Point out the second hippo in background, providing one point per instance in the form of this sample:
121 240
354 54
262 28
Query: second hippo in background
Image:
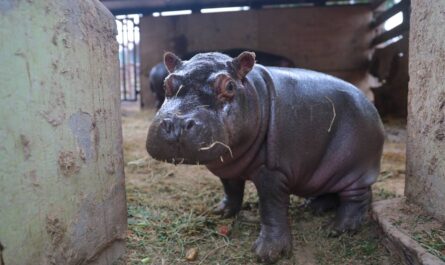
159 72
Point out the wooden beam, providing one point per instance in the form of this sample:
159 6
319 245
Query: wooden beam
320 2
121 7
402 6
407 12
387 35
376 3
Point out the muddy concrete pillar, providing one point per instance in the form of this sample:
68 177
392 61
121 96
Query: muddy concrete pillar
425 182
62 195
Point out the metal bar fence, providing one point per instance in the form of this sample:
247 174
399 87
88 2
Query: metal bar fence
129 59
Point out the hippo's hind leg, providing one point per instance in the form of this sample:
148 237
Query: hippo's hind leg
352 211
323 203
275 236
231 204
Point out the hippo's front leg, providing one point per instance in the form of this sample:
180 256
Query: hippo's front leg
231 204
275 237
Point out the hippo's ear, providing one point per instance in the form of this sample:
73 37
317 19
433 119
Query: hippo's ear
243 63
171 61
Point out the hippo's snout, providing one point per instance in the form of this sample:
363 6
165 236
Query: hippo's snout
173 129
184 138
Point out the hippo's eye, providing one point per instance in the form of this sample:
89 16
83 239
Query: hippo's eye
230 88
225 87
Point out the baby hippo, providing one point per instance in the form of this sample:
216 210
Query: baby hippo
290 131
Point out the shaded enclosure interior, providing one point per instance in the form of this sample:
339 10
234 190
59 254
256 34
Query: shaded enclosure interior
63 196
307 36
329 39
359 41
350 42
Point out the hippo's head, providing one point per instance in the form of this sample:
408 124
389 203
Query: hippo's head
206 111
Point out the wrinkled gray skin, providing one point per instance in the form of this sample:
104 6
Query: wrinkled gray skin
159 72
290 131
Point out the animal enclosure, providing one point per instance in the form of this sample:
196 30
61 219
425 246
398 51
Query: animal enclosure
385 55
78 187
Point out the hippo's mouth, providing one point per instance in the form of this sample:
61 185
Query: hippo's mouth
214 146
207 153
185 161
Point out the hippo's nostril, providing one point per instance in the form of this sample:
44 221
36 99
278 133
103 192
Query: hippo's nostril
189 124
167 125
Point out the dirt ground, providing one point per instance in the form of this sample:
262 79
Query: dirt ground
419 231
169 211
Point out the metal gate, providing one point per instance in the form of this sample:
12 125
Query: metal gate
129 60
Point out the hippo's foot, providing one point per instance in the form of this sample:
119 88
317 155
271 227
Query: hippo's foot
323 203
231 204
228 208
271 245
275 237
351 214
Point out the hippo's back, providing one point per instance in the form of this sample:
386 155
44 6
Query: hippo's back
317 122
315 93
311 86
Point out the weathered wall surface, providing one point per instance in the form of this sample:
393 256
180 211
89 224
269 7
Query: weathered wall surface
329 39
425 182
62 194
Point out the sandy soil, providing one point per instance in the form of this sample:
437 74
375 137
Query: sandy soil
169 211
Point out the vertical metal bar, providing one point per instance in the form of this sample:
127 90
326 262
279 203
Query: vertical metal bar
131 88
138 64
135 61
121 60
129 60
124 57
138 55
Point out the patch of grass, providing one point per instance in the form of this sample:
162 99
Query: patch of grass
162 230
383 194
361 248
433 241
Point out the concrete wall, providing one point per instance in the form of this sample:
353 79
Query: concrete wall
425 180
329 39
62 194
